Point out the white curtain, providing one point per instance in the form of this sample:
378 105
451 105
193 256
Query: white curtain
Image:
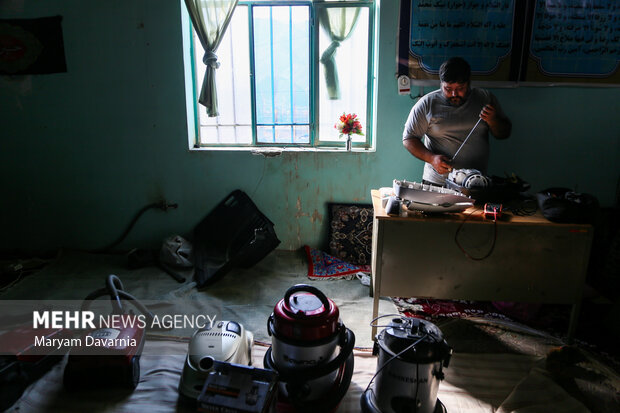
210 19
339 24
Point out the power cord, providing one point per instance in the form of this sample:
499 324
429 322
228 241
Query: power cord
163 205
262 175
13 272
523 207
409 347
395 356
458 244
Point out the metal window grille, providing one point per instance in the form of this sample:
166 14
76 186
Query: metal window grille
269 82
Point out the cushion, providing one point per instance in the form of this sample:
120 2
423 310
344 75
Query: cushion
350 232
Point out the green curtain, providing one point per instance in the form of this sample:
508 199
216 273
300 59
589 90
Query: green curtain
339 24
210 19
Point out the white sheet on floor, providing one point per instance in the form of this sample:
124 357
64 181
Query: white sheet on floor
475 383
247 296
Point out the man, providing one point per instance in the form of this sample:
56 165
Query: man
441 120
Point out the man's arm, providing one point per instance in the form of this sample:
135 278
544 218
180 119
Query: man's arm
415 128
415 147
499 125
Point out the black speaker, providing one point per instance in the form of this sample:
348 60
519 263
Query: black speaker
234 234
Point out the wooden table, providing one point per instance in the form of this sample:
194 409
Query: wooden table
426 255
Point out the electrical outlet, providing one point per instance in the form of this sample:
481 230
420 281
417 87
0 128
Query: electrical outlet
404 85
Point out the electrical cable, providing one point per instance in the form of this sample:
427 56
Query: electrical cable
407 326
20 275
22 269
396 355
262 175
163 205
458 244
523 207
420 94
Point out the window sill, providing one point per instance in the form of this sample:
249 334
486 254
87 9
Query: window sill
270 151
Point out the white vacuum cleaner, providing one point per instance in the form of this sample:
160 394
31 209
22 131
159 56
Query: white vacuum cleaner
226 341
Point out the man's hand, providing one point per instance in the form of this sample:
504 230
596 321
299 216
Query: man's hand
441 163
488 114
500 127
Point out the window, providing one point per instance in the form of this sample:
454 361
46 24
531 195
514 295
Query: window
288 70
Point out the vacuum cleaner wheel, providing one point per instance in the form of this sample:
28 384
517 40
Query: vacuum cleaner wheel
132 375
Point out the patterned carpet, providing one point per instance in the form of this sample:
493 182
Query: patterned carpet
588 368
545 325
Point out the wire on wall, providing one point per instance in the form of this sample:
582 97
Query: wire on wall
262 175
420 93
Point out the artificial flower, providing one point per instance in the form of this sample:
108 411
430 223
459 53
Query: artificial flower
348 124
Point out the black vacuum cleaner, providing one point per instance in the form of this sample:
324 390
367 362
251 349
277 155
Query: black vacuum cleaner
412 354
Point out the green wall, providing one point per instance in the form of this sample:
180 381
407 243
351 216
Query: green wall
81 152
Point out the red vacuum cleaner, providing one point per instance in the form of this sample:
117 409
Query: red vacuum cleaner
109 356
311 350
22 363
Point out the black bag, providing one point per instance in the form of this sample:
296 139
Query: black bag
565 206
234 234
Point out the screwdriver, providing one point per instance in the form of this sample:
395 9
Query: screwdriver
470 132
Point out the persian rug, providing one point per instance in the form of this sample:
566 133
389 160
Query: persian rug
350 232
551 318
322 266
434 310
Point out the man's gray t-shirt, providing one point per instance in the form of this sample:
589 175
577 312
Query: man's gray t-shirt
443 127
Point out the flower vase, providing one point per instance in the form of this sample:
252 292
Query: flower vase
348 143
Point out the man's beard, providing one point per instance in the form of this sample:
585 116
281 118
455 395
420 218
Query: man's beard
456 100
459 100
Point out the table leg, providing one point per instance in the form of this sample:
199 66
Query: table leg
375 314
574 319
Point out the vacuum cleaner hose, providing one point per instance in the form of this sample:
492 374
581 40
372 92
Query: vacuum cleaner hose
114 289
320 370
295 380
113 285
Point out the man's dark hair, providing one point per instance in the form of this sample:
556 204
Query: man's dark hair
455 70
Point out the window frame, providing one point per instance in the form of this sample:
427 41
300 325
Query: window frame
314 144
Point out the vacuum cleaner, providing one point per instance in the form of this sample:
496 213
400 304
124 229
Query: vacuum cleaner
311 350
470 182
110 356
227 341
22 363
412 354
415 196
